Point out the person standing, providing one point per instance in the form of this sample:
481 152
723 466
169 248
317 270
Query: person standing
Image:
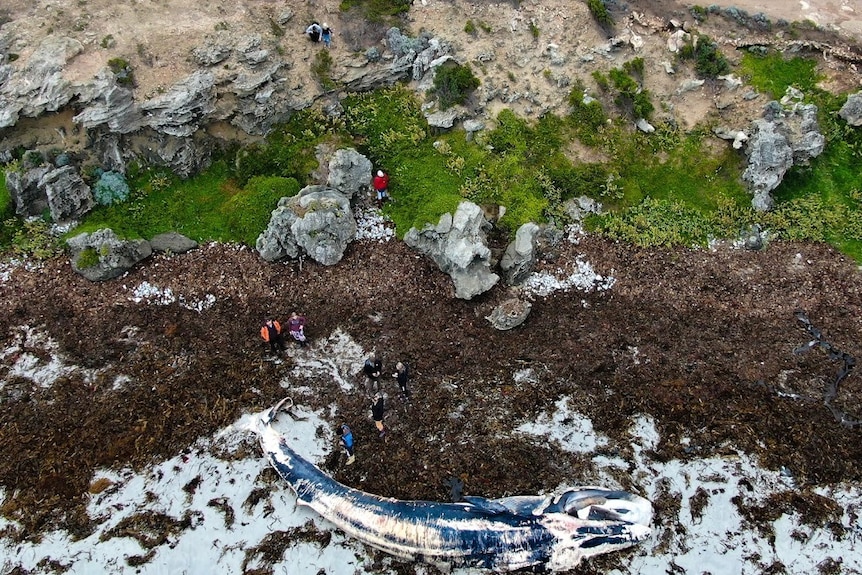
296 328
347 443
372 369
326 34
271 334
401 375
378 408
381 186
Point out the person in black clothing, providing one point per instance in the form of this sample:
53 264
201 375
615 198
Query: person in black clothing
378 408
372 369
401 376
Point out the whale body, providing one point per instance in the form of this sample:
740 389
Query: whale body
553 533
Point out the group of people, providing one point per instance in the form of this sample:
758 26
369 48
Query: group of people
373 369
271 332
319 33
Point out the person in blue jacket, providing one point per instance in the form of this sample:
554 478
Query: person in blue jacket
347 443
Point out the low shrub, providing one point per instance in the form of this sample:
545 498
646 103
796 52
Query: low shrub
453 84
110 188
709 61
122 71
600 13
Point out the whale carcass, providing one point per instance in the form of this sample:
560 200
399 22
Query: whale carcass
547 532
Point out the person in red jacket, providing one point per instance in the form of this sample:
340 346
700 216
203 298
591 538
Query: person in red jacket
271 334
381 186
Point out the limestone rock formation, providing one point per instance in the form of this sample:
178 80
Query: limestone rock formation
509 314
349 171
317 221
457 244
69 197
61 191
851 111
101 255
520 257
28 197
39 87
172 242
787 134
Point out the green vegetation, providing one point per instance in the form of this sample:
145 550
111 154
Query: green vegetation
709 62
670 187
31 238
209 206
600 13
88 258
534 30
453 84
377 10
631 98
772 73
322 69
470 28
122 71
699 13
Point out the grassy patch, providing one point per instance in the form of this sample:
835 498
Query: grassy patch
210 206
377 10
5 198
772 73
289 149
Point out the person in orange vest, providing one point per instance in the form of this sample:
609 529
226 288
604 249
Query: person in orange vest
271 334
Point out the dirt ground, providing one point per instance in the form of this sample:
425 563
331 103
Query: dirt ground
702 341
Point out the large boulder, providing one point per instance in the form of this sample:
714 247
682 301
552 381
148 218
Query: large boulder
457 244
69 197
318 221
28 197
851 111
509 314
788 134
349 171
520 257
101 255
173 243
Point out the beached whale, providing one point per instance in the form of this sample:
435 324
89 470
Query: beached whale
547 532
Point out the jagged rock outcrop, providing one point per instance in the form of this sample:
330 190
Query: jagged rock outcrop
787 134
172 242
520 257
509 314
61 191
851 111
181 110
411 58
28 197
101 255
39 86
69 197
349 171
317 221
457 244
